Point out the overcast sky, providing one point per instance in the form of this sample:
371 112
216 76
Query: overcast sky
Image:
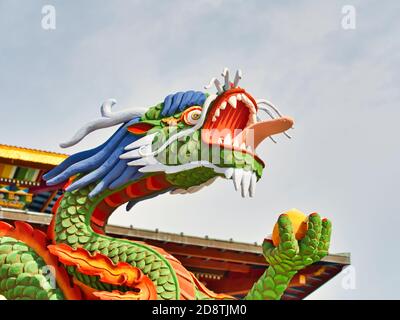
341 87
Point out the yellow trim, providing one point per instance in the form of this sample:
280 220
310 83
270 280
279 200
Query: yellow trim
31 155
8 171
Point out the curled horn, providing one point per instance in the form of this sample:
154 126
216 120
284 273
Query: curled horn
109 119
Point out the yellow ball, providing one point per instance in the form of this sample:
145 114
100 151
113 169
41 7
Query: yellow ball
299 224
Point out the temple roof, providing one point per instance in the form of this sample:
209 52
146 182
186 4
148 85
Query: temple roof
21 155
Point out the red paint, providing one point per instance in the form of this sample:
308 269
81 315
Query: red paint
138 189
140 128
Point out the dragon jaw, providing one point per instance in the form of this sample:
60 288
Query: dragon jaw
226 122
232 123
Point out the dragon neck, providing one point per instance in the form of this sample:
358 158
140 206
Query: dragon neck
107 202
79 221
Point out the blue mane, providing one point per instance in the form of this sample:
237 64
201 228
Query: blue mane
101 164
181 100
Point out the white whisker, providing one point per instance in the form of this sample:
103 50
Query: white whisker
273 107
287 135
266 111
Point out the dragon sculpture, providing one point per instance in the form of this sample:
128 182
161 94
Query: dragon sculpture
179 146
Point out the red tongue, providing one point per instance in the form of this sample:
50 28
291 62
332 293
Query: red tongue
256 133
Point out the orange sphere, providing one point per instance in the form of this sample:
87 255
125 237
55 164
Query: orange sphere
299 224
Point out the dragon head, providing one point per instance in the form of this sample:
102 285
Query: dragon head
193 137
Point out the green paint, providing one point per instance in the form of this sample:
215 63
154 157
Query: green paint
21 269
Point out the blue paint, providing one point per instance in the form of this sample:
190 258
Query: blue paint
102 163
167 105
182 100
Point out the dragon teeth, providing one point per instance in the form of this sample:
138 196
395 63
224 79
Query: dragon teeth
243 180
223 105
237 178
249 104
252 189
229 173
245 183
232 101
228 139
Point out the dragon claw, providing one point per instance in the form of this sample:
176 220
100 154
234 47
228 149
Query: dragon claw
299 253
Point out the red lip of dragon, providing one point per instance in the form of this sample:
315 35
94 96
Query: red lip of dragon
180 145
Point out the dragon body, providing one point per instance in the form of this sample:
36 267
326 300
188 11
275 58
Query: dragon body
179 146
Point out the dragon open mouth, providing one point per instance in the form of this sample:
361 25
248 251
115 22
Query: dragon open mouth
233 124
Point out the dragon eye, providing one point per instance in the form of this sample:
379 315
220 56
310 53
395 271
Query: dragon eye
192 115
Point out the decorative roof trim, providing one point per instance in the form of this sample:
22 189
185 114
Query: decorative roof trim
21 154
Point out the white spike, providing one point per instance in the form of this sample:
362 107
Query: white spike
131 154
232 101
214 118
141 142
217 112
136 153
139 162
238 76
237 178
245 184
217 84
228 139
225 74
229 173
253 183
239 97
223 105
249 104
